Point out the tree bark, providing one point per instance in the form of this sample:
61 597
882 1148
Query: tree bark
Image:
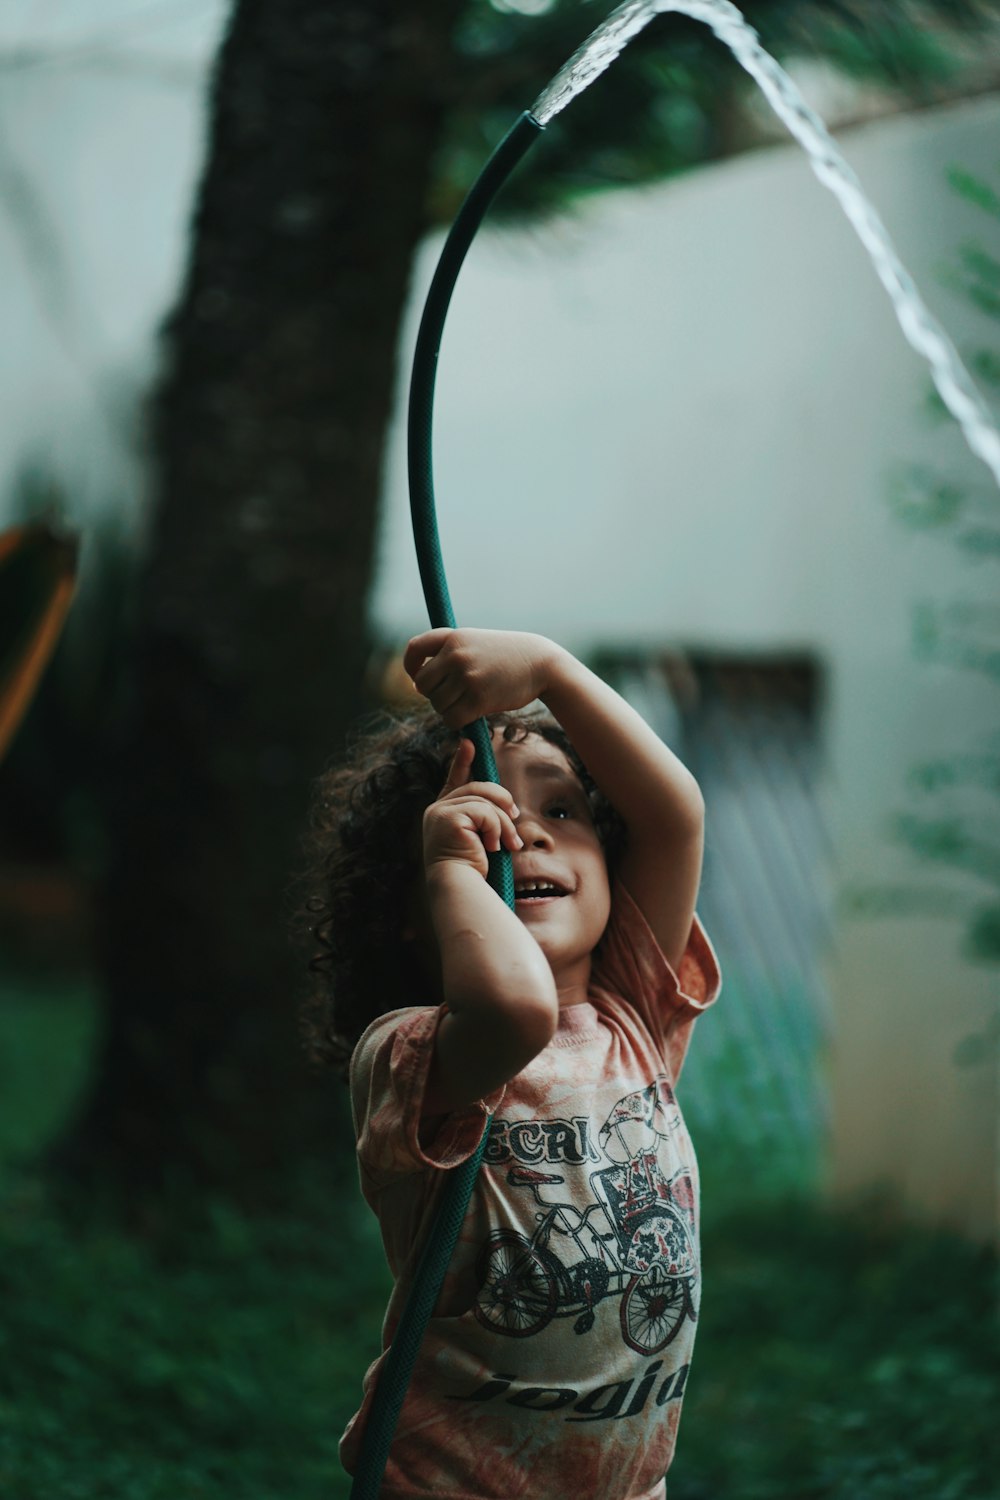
251 638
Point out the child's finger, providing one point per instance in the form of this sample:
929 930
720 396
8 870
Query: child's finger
458 710
449 694
511 838
488 791
489 830
460 768
445 700
498 832
422 646
431 680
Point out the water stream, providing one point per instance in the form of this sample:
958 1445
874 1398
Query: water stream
921 329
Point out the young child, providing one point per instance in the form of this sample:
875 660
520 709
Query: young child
555 1363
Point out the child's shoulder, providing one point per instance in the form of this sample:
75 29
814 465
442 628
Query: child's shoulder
389 1073
393 1054
403 1024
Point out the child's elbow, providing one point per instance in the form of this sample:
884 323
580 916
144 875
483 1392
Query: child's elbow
528 1016
535 1023
694 803
517 1043
517 1006
683 812
481 1049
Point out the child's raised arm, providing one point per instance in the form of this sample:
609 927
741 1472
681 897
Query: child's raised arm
501 996
467 673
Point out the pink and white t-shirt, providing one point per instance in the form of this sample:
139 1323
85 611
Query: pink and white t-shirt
555 1363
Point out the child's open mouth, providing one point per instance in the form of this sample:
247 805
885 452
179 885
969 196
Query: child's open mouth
535 892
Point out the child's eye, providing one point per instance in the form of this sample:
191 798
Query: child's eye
560 810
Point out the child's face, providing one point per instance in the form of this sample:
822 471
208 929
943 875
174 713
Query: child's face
561 881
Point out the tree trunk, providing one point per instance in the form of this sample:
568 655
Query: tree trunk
251 639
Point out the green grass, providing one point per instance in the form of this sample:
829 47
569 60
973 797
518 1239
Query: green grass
47 1036
228 1372
838 1358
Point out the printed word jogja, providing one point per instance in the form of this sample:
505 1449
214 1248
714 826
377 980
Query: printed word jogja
600 1405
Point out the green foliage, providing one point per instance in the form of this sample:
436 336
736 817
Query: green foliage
838 1356
982 936
949 841
985 364
228 1371
215 1364
674 97
958 633
923 500
976 276
957 771
834 1360
884 48
652 114
947 633
975 190
47 1037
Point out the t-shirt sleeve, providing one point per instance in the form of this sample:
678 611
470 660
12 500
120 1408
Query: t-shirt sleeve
631 965
388 1079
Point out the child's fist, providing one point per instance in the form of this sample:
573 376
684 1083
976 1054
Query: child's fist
468 673
469 818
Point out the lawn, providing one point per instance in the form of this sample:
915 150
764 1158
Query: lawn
839 1357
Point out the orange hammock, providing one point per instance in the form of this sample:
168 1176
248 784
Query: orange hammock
37 579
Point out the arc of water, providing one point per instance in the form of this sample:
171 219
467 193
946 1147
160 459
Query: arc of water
920 328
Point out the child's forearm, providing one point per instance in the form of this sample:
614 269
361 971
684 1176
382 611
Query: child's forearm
493 971
655 794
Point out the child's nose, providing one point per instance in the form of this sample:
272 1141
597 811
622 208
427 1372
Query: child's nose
534 831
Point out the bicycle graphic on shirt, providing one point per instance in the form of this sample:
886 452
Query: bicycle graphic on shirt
646 1255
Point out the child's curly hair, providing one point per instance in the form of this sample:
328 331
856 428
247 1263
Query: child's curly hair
364 856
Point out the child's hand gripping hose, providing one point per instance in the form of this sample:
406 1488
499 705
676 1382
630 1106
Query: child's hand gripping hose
395 1375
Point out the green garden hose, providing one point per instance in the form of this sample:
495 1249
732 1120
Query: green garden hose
394 1377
